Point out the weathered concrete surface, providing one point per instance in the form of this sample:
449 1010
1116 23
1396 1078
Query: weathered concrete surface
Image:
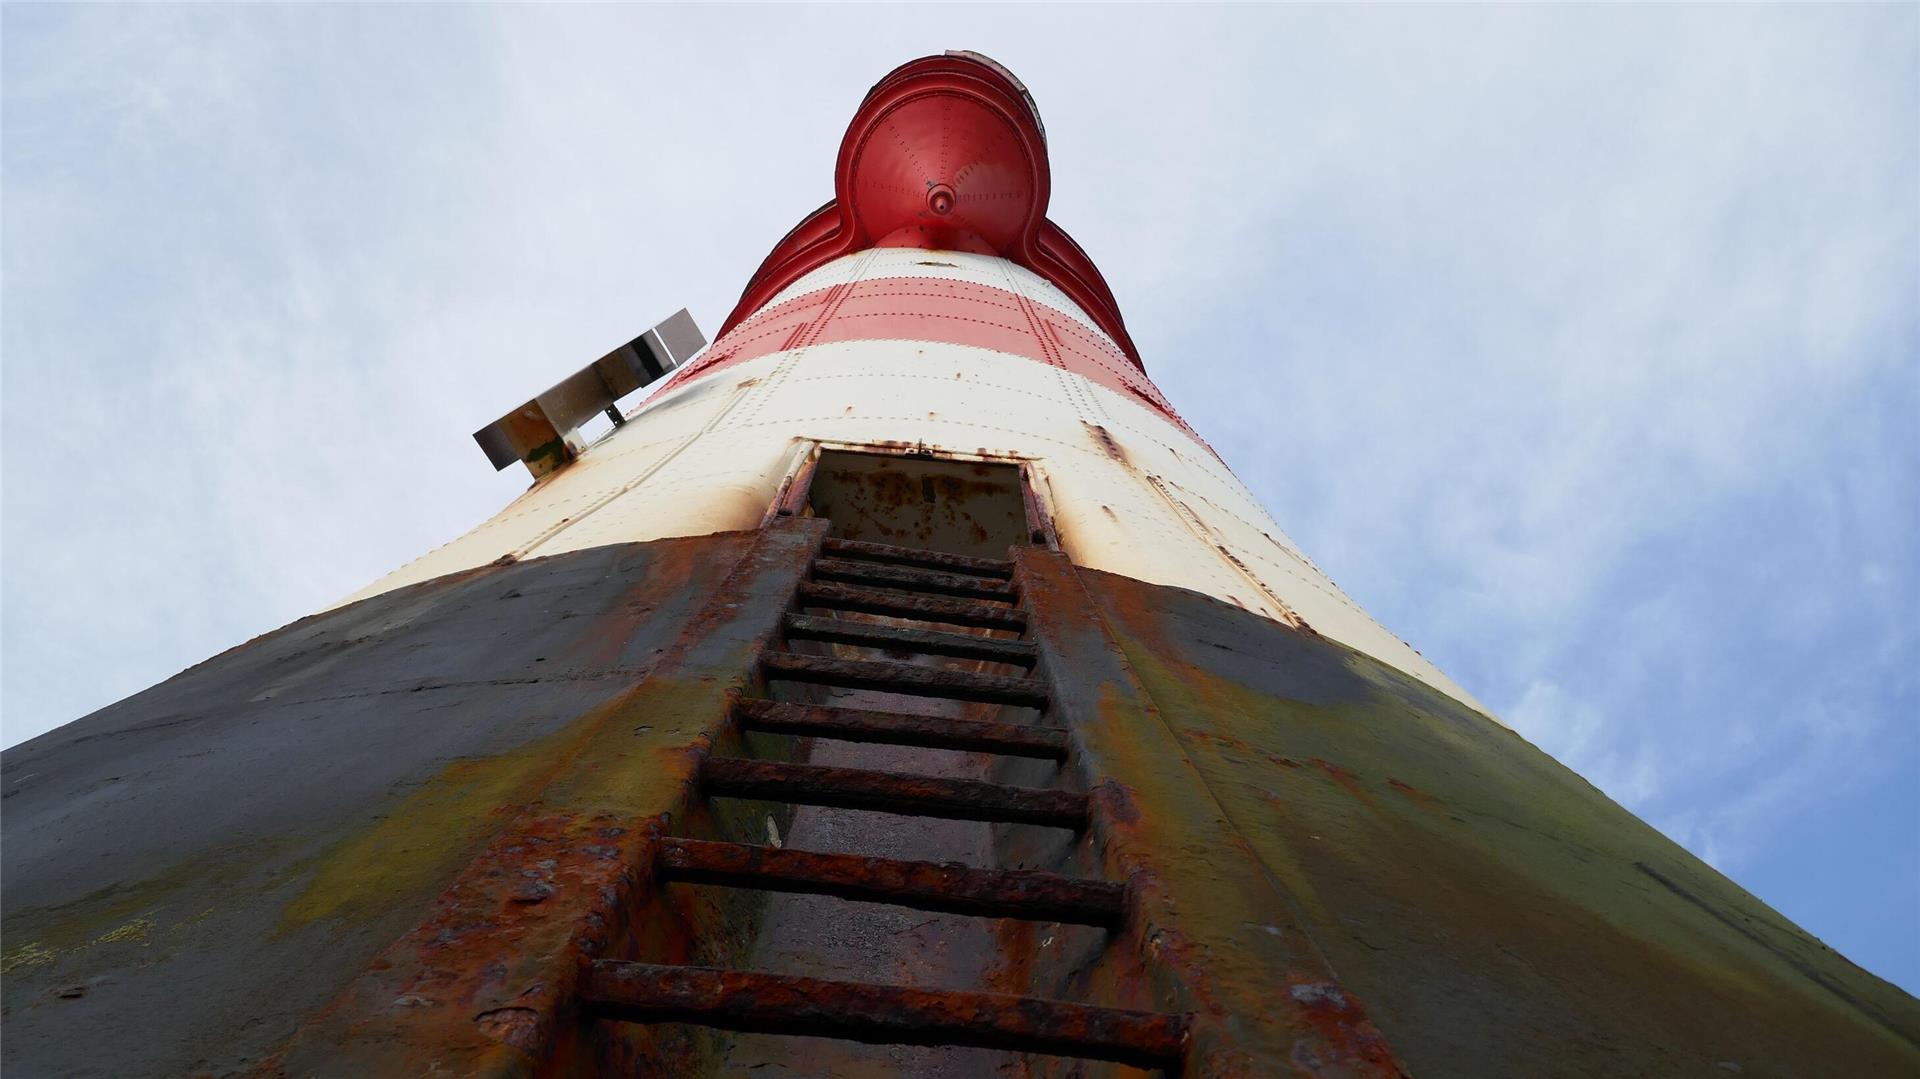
1496 914
1209 934
486 982
191 872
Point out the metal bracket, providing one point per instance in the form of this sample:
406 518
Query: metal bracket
544 432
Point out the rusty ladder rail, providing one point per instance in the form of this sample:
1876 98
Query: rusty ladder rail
902 729
939 589
956 612
890 676
893 792
905 578
921 559
806 627
940 886
887 1014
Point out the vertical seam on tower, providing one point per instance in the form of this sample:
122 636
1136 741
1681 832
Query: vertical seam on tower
1206 535
810 333
1069 388
1081 385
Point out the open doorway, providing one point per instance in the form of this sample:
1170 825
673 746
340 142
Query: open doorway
973 507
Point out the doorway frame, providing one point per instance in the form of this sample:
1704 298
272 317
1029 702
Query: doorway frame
796 482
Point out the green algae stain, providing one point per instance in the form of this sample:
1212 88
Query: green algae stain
414 849
27 955
38 953
138 929
421 841
1536 864
1178 701
98 916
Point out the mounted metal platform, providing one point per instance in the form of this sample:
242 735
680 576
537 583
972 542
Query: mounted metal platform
543 432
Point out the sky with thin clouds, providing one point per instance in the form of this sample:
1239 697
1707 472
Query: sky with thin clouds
1581 345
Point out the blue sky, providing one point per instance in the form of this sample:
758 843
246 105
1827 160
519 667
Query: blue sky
1581 345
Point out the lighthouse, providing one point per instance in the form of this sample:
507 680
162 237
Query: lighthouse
899 685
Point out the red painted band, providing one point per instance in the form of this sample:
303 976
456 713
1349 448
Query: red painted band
931 309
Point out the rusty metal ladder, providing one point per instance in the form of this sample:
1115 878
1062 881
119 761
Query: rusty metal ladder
939 589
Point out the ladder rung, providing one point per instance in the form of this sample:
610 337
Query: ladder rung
910 579
880 1014
903 729
924 608
955 889
892 676
893 792
914 556
931 642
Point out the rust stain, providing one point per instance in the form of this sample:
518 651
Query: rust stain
601 644
491 973
1220 738
1104 439
1013 969
1345 1032
1346 779
1414 794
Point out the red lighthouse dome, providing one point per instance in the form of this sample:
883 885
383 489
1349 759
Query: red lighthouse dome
946 153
